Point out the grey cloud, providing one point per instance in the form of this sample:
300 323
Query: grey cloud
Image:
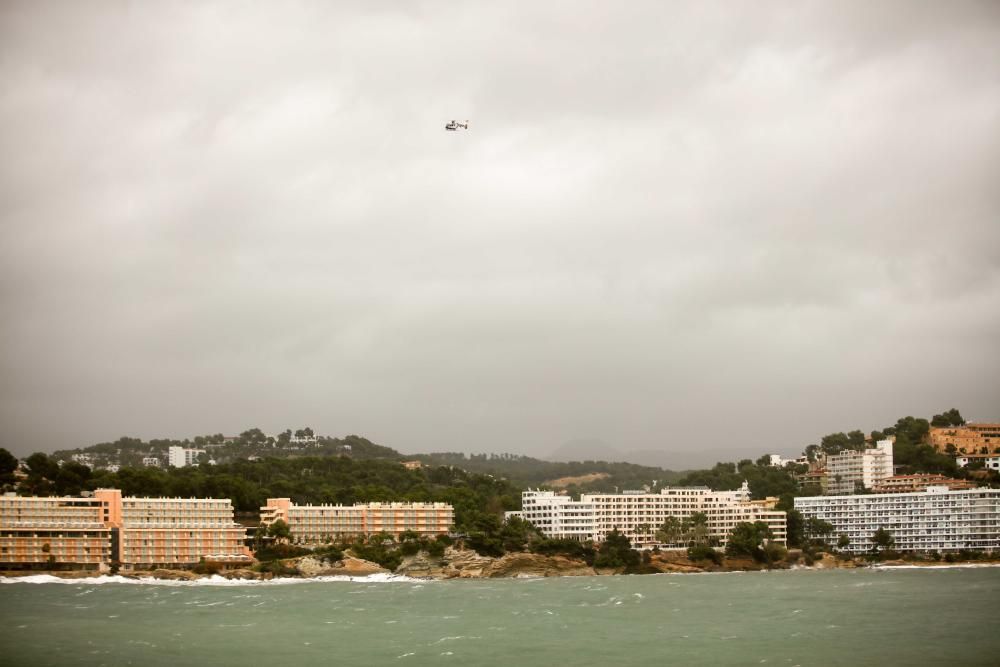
682 228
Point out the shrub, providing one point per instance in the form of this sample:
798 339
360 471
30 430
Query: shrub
409 548
565 547
277 568
701 552
329 554
204 567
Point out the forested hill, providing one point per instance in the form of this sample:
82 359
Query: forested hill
525 471
250 444
522 471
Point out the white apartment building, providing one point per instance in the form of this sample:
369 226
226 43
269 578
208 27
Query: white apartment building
933 520
777 461
989 462
180 457
848 469
639 514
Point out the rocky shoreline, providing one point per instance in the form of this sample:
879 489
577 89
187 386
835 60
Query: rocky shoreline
467 564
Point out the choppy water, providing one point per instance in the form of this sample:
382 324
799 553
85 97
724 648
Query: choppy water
869 617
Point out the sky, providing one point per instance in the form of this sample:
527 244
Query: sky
699 229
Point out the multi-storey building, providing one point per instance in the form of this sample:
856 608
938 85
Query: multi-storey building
850 469
638 514
137 533
920 482
70 532
937 519
989 461
814 480
171 532
313 524
181 457
979 438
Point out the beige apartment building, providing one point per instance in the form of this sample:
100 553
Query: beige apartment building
315 524
137 533
920 482
978 438
66 531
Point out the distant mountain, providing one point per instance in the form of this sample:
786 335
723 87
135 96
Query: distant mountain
594 449
586 449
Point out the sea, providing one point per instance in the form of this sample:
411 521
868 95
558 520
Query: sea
883 616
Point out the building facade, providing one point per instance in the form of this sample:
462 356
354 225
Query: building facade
315 524
106 529
978 438
181 457
68 532
638 514
920 482
990 462
937 519
850 470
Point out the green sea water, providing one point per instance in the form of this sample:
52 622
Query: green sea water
865 617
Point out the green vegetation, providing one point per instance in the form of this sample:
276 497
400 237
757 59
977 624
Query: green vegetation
948 418
565 547
747 539
8 464
616 551
817 531
882 542
525 471
763 479
702 552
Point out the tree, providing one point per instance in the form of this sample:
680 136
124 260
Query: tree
746 539
882 541
8 462
843 542
616 551
948 418
41 465
279 530
794 527
671 531
695 529
817 530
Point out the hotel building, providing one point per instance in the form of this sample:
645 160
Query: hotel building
137 533
981 438
851 469
920 482
68 531
313 524
638 514
937 519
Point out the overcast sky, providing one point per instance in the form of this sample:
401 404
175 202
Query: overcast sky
694 227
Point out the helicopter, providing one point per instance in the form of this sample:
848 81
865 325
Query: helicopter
454 125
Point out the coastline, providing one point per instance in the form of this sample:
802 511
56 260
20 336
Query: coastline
460 564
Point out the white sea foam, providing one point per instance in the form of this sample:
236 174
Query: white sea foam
948 566
206 581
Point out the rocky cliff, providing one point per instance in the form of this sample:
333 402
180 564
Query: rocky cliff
467 564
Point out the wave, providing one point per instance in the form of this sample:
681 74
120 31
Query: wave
949 566
381 578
